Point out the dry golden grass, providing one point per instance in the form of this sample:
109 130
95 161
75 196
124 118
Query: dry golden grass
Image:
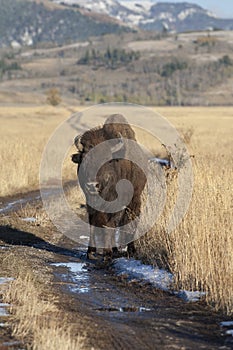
24 134
35 314
199 252
203 243
38 213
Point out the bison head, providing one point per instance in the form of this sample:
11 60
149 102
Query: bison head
112 129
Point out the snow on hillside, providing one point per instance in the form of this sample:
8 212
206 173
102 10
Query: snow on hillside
137 6
100 6
184 14
153 15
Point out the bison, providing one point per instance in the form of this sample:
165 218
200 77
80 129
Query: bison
117 166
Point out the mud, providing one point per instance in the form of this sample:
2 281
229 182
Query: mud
136 316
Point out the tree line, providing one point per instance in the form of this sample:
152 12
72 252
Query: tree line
111 58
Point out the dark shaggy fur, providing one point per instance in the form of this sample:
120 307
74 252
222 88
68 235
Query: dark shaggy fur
115 127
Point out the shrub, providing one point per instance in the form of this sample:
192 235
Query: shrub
53 97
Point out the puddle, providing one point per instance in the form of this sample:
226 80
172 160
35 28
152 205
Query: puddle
3 306
227 324
77 275
124 309
4 280
12 205
3 311
12 343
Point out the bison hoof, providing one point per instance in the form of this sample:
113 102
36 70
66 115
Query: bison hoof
107 259
92 256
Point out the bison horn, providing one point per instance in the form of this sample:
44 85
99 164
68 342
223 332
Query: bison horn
119 145
77 142
76 158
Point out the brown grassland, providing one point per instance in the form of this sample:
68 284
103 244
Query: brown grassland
199 252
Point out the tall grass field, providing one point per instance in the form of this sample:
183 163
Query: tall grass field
199 252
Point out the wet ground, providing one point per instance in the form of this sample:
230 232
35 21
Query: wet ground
130 315
118 313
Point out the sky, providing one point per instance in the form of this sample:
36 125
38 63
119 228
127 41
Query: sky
222 8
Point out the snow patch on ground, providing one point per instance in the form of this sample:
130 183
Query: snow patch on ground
3 325
159 278
230 332
29 219
190 296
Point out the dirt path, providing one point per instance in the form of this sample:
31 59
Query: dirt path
116 313
133 316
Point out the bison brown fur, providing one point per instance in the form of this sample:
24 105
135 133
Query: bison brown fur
115 127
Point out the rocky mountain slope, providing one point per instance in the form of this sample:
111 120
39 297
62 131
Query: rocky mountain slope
149 15
25 23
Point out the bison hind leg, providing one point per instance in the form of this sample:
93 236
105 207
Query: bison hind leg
131 249
91 251
115 252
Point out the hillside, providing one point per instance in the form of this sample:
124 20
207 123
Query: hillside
154 69
24 22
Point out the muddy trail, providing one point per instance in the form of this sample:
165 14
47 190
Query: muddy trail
119 313
133 315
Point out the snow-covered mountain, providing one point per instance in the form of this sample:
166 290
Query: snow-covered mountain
30 22
129 12
100 6
153 15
